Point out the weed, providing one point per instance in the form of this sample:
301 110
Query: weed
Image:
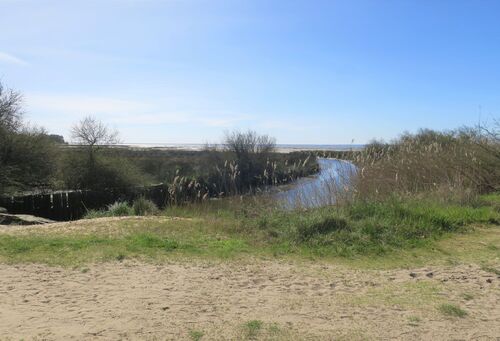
414 320
196 335
119 209
252 328
143 206
452 310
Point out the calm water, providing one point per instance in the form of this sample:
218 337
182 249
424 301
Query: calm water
279 147
333 179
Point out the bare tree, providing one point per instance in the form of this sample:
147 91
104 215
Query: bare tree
11 113
243 143
91 132
492 132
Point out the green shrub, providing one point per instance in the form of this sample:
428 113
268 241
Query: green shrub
107 172
120 209
27 160
452 310
143 206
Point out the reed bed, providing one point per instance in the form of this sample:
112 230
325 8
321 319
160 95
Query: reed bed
455 165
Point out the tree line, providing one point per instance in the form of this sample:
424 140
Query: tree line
31 159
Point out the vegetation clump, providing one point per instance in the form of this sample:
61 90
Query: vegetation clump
143 206
371 227
452 310
140 207
27 154
456 165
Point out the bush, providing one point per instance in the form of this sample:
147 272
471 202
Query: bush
120 209
143 206
108 172
250 152
27 160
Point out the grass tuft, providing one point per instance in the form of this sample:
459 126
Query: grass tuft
196 335
252 328
452 310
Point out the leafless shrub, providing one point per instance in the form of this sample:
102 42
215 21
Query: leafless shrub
251 152
11 112
245 143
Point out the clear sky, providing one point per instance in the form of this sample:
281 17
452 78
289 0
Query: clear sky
319 72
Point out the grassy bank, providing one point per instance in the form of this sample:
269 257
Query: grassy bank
395 231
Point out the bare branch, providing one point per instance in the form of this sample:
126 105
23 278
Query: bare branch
11 113
92 132
248 142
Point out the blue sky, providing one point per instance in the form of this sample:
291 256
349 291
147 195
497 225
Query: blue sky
319 72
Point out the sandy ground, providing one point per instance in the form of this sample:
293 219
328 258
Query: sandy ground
82 225
130 300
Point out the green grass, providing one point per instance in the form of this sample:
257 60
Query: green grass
140 207
196 335
385 234
491 269
252 328
414 321
372 228
452 310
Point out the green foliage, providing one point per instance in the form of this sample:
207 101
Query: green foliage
196 335
234 228
120 209
140 207
143 206
116 209
370 227
27 154
27 160
452 310
108 172
492 199
252 328
92 214
311 229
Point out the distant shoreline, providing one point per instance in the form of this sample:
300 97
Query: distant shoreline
282 148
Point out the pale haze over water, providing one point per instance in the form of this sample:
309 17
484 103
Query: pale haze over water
279 147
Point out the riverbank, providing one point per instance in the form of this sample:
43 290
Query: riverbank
235 270
227 229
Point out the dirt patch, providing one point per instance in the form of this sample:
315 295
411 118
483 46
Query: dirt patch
258 300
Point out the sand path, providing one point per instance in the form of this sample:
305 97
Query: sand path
130 300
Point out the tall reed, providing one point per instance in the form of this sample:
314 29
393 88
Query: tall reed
457 164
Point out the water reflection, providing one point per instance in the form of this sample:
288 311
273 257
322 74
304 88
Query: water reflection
332 181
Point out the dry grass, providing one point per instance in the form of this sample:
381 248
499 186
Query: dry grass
449 165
